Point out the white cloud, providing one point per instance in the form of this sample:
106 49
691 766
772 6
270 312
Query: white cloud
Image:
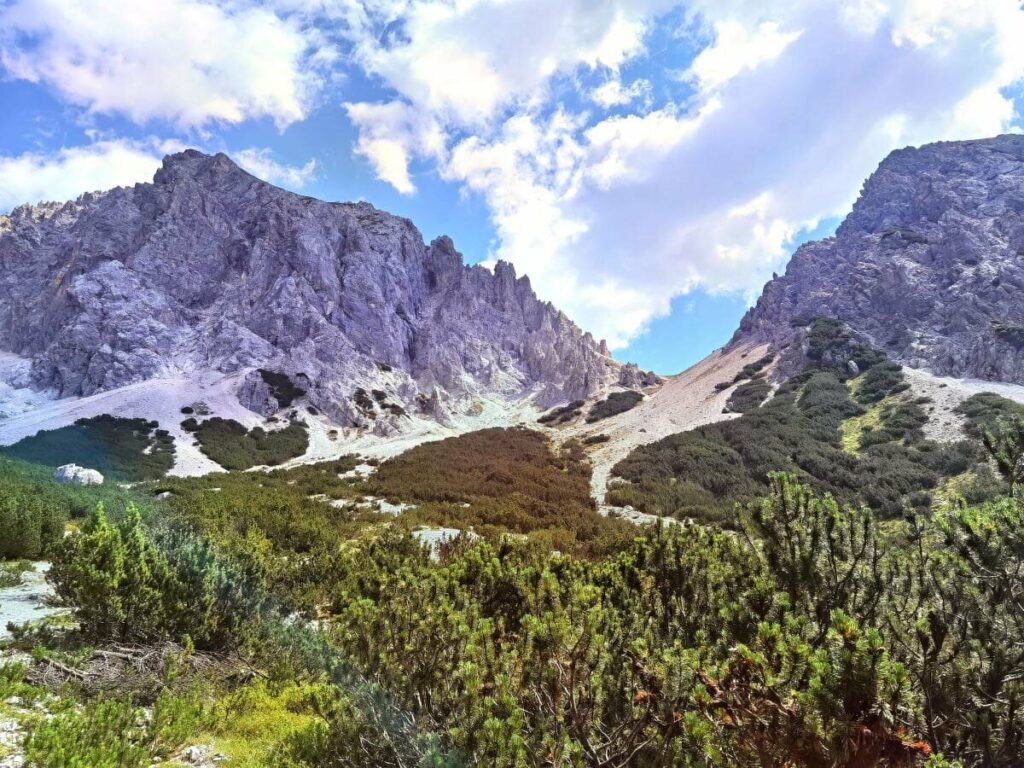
66 173
461 64
466 60
389 134
737 48
186 61
791 105
613 93
259 162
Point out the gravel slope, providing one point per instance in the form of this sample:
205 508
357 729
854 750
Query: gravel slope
683 402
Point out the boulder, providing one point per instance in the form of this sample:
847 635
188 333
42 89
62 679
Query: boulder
76 475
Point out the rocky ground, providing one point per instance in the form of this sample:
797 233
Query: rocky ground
681 403
944 423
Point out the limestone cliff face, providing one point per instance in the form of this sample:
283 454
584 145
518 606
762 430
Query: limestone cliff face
928 266
211 268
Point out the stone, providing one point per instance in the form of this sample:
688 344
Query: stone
928 266
202 756
76 475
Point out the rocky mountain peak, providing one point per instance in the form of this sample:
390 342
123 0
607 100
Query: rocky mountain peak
928 266
210 269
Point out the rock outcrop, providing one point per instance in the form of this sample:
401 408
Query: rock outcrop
210 268
76 475
928 266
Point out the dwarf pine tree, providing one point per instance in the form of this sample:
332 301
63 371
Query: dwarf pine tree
88 574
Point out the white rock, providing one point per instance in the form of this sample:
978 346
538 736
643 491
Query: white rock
72 473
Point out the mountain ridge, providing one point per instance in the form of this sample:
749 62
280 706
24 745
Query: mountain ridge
928 266
209 268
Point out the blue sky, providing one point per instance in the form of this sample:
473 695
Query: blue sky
648 163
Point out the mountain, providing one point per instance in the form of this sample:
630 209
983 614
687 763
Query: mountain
208 269
929 265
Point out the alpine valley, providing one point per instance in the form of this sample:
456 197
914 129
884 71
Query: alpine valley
312 492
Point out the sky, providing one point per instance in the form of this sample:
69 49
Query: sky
648 163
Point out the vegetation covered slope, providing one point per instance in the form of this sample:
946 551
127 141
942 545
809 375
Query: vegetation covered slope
295 628
503 480
121 449
704 472
818 638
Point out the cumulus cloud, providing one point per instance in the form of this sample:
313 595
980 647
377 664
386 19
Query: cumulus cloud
389 134
260 163
737 47
66 173
784 110
186 61
462 66
466 60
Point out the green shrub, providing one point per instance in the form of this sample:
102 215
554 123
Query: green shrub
227 442
281 386
750 370
127 584
363 401
985 410
880 381
121 449
831 344
614 404
31 518
11 572
562 414
748 396
109 733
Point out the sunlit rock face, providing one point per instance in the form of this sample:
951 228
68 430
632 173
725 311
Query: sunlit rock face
928 266
210 268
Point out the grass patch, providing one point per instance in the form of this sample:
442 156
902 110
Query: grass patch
121 449
852 429
228 443
252 721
